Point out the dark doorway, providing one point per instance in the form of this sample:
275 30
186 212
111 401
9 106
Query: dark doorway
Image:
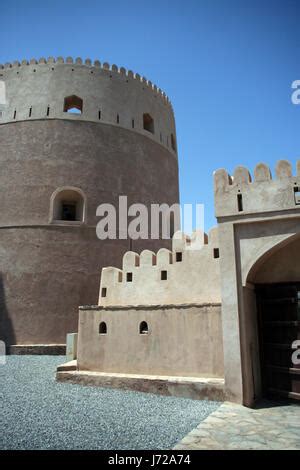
278 308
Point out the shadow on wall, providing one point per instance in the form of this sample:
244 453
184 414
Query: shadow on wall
6 329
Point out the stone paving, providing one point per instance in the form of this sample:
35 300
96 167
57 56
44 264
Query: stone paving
269 426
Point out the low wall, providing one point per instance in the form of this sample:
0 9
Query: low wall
182 340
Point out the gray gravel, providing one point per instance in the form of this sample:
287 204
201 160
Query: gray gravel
38 413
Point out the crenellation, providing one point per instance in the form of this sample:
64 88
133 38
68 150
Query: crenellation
262 172
239 195
283 169
164 277
241 176
147 258
34 94
164 258
130 260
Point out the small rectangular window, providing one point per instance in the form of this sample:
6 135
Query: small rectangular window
240 202
132 123
103 292
118 119
216 253
48 110
30 112
15 114
297 195
164 275
178 256
129 277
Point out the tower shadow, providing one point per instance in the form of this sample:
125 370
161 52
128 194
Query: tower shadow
6 328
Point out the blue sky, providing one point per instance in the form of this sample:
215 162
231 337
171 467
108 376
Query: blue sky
227 66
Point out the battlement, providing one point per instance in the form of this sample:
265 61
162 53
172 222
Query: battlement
96 64
188 273
239 194
100 92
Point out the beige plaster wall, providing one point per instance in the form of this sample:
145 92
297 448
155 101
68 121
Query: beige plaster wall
194 279
183 340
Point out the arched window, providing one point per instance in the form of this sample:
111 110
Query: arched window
143 328
68 204
148 123
73 104
103 328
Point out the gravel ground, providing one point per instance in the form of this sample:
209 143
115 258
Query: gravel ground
38 413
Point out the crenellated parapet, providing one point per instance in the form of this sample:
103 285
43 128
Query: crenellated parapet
96 64
37 89
187 273
242 194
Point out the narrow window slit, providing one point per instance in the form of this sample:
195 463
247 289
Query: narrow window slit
240 202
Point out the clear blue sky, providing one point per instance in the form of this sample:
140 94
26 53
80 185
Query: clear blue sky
227 66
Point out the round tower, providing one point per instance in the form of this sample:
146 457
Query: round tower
73 135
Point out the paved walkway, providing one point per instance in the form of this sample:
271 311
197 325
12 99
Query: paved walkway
236 427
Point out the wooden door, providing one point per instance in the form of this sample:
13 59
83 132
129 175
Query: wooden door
279 325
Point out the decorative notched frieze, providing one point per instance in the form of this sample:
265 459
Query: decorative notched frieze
239 194
188 273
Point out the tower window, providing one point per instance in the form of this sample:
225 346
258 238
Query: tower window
99 114
129 277
30 111
48 110
173 142
118 119
102 328
68 204
132 123
178 256
164 275
216 253
15 114
148 123
144 328
103 292
73 104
